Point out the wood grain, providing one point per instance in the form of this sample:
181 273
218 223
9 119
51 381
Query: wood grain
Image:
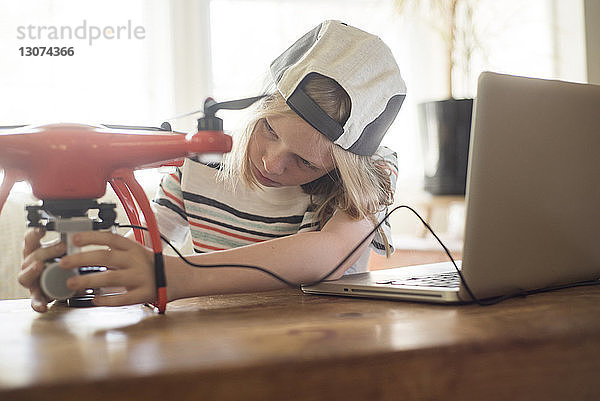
284 345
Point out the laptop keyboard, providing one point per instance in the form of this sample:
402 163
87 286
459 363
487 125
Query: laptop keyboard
445 280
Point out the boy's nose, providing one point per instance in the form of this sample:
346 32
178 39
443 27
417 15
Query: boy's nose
274 162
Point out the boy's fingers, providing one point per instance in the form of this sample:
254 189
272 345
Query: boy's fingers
39 302
102 257
109 278
127 298
33 237
30 274
46 253
113 241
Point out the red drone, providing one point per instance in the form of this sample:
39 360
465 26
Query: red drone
69 165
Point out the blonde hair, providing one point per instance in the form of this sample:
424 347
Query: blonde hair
359 185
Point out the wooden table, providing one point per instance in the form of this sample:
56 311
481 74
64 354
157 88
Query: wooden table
284 345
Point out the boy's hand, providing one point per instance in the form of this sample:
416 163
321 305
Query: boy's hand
129 265
34 257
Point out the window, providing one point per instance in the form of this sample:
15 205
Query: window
517 37
222 48
109 79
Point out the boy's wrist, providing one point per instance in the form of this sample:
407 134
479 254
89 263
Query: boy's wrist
172 279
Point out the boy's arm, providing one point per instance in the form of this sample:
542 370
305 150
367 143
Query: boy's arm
299 258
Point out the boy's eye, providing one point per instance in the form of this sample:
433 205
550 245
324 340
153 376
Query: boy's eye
302 161
269 128
308 164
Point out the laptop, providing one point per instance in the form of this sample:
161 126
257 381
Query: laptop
532 200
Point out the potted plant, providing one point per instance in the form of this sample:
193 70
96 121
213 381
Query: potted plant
445 124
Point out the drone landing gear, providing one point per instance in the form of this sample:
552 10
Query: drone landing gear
68 217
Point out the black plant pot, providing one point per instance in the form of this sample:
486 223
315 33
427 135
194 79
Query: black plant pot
445 128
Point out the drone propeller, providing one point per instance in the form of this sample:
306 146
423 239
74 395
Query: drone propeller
211 106
208 122
163 127
211 122
12 126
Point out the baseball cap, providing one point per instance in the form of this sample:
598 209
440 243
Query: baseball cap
362 65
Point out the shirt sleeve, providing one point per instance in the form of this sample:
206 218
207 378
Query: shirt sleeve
391 159
169 209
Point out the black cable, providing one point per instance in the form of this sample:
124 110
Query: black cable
242 266
428 227
275 275
481 302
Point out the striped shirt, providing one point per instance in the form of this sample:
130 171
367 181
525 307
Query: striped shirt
193 201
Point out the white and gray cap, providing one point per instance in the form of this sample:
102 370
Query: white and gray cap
362 65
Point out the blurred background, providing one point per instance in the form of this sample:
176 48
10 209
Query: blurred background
191 49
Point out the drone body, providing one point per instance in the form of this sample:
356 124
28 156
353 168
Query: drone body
75 161
69 165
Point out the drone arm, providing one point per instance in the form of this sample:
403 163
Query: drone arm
131 210
10 177
159 270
